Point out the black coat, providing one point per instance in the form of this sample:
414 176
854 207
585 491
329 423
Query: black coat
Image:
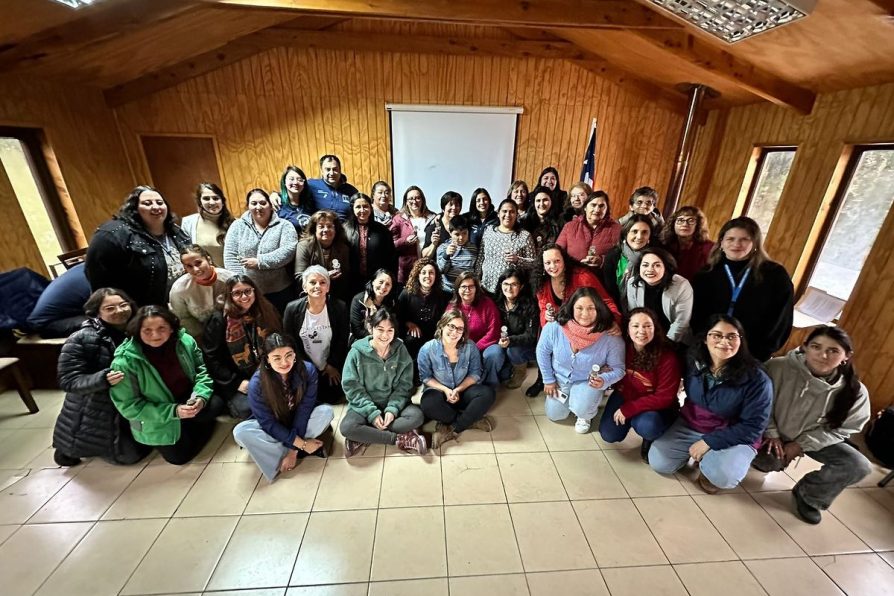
88 424
380 253
338 319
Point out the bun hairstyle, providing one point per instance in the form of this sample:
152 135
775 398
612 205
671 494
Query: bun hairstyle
847 397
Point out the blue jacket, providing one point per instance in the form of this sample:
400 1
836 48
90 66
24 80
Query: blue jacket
560 365
264 415
334 199
298 216
433 363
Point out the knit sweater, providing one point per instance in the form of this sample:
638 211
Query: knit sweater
274 248
194 303
560 364
492 259
578 236
650 390
483 320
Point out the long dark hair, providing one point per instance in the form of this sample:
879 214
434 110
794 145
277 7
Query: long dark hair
225 218
260 308
94 302
412 287
670 267
741 364
152 310
304 198
566 272
647 359
473 210
847 397
130 214
604 317
272 385
369 291
532 219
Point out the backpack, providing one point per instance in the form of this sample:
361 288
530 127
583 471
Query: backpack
880 437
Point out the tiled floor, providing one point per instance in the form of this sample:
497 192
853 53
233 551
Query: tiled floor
531 509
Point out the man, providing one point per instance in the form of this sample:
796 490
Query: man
331 191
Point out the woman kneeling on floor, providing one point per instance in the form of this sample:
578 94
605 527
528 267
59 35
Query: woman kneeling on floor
578 359
450 368
819 402
286 420
727 405
378 382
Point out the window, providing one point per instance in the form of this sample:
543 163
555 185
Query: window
771 173
859 211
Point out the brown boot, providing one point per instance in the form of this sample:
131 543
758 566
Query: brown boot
519 371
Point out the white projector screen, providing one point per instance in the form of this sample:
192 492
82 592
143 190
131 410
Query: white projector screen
459 148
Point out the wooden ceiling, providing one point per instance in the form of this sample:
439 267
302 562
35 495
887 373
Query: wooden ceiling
131 48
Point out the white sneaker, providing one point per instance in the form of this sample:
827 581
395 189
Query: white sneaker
582 426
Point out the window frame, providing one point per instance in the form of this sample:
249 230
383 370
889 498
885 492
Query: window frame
762 152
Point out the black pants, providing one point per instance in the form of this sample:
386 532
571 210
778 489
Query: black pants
473 404
194 434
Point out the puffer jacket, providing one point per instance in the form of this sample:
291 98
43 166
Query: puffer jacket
88 424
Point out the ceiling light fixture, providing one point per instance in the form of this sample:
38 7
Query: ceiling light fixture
76 3
735 20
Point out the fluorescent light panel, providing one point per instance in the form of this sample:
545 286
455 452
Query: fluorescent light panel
75 3
735 20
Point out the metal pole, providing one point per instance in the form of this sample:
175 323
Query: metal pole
684 149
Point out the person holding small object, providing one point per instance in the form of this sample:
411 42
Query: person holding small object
408 231
503 245
324 243
588 237
437 230
286 421
507 360
420 305
458 254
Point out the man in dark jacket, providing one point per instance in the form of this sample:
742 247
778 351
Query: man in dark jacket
331 190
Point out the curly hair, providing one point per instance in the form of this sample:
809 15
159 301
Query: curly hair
130 214
668 234
413 286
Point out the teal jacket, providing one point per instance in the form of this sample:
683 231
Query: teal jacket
144 399
374 386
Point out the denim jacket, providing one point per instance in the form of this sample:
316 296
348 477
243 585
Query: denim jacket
433 364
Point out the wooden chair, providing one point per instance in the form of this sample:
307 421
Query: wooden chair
18 377
73 257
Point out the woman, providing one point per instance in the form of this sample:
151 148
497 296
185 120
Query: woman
407 228
577 198
420 304
618 263
543 221
380 292
507 360
578 359
742 282
138 250
656 285
372 247
549 178
324 243
286 420
644 201
438 230
383 210
89 425
589 237
262 246
482 315
818 403
378 382
165 391
686 237
480 215
504 245
450 369
320 324
724 414
518 192
295 200
209 226
197 293
646 398
233 340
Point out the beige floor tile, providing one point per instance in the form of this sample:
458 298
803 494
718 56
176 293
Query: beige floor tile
631 441
262 592
336 590
683 531
617 533
337 548
471 479
156 492
480 540
222 489
412 587
45 460
872 480
801 467
560 436
587 475
30 555
410 544
866 517
759 482
512 403
885 496
792 577
470 442
230 452
7 531
517 434
688 477
586 582
637 581
88 495
8 477
115 547
24 498
411 482
183 556
826 538
489 585
889 557
749 529
638 478
350 484
549 537
19 446
863 575
529 477
221 431
260 553
291 492
708 579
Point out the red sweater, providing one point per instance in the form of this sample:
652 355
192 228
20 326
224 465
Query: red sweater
647 391
691 260
578 278
577 237
483 319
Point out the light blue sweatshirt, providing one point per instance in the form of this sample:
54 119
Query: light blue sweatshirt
560 365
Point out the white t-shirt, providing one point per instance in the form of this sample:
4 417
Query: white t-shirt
316 336
419 225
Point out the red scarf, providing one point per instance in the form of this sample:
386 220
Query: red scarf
210 281
579 337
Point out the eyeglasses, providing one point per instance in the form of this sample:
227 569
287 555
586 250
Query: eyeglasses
685 221
113 307
642 203
466 288
240 293
732 338
454 328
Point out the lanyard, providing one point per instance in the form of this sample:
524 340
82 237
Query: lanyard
736 288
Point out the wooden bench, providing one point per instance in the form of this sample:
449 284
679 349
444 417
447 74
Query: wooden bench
39 358
13 365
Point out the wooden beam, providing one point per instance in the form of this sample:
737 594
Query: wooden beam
581 14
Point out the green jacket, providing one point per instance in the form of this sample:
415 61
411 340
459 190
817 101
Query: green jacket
374 386
144 399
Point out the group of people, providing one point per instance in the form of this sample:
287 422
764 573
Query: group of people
186 322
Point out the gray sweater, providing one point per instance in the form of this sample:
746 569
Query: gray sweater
676 302
274 248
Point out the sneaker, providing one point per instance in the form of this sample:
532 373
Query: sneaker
411 442
353 448
805 511
582 426
644 450
443 434
705 484
64 460
487 424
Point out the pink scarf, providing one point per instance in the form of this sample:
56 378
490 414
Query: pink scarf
579 337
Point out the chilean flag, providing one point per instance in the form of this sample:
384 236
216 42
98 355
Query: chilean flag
588 170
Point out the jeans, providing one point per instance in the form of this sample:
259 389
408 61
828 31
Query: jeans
583 402
473 404
842 466
497 362
356 428
649 425
724 468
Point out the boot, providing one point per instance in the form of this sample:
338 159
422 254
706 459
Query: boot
518 375
644 450
535 389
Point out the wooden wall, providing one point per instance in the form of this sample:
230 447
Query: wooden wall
291 106
723 150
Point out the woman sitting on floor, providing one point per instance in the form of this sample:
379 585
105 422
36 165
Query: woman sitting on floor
380 292
196 294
